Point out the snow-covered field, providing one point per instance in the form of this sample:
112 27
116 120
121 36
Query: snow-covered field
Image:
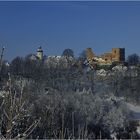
134 108
135 111
135 114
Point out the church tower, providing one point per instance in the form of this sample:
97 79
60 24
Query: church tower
40 53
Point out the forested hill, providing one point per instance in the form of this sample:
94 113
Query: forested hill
48 100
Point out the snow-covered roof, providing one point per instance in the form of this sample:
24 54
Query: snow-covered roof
54 56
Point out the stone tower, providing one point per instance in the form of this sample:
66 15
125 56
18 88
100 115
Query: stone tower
118 54
40 53
89 54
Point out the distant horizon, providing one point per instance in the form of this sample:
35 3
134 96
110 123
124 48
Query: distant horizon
58 25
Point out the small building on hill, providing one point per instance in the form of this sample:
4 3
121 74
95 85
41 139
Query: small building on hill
38 56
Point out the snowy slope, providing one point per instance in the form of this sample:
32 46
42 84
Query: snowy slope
135 110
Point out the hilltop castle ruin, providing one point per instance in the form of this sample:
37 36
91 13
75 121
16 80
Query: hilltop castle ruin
116 55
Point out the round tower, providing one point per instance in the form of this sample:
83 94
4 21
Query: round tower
40 53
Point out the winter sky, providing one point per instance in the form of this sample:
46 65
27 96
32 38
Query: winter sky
102 25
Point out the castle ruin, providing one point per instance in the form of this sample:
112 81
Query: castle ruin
116 55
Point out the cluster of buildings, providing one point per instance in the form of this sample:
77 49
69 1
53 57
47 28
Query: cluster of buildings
51 61
116 55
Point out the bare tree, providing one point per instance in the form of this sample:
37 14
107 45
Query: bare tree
15 115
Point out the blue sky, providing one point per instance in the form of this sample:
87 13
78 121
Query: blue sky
24 26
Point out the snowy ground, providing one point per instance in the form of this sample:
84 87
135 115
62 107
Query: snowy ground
135 114
135 111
